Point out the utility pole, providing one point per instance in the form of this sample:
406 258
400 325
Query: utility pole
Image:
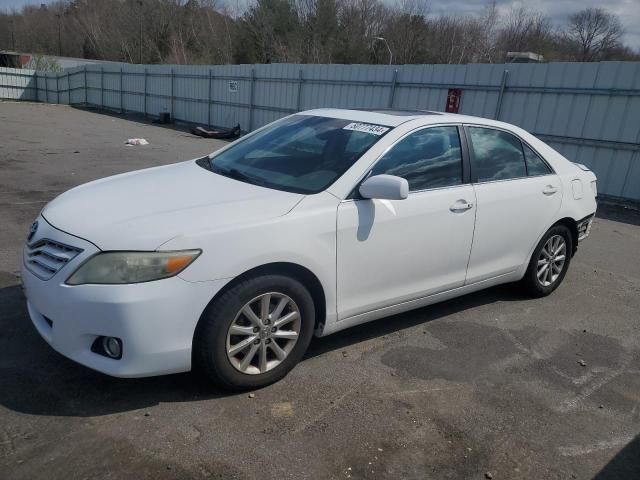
140 36
59 17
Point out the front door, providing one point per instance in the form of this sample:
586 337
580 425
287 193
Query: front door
390 252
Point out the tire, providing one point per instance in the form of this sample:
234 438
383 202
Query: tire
541 282
215 343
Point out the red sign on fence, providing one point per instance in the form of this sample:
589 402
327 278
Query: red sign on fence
453 100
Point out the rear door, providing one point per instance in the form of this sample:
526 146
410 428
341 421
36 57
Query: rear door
517 196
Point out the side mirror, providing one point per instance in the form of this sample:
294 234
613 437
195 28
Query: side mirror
385 187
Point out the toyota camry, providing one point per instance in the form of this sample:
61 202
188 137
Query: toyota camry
317 222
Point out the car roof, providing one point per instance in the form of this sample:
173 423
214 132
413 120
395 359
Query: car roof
393 118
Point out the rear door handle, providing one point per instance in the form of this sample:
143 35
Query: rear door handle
461 206
549 190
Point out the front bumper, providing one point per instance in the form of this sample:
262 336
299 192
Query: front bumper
155 320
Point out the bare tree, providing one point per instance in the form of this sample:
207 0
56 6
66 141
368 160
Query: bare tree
525 30
312 31
483 43
592 33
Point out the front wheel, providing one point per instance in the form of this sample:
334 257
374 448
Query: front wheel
255 332
549 262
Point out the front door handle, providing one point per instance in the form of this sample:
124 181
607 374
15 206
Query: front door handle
461 206
549 190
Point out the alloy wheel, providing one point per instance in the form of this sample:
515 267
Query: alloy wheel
551 260
263 333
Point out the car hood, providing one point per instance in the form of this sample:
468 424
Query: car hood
141 210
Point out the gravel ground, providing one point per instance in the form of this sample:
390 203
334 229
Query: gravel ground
486 385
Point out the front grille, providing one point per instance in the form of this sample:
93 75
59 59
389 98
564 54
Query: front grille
45 257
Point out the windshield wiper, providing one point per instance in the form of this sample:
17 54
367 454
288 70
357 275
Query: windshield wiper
238 175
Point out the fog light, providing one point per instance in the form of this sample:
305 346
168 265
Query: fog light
112 346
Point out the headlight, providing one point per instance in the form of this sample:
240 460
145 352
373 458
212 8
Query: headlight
132 267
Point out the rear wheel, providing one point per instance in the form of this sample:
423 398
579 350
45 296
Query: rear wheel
549 262
255 332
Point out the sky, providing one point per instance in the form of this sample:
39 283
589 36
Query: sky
558 10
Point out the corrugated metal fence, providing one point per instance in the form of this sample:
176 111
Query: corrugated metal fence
590 112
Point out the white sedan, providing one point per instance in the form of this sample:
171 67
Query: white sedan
314 223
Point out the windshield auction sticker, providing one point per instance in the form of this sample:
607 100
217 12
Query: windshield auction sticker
367 128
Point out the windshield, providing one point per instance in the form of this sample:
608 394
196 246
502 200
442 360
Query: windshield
301 153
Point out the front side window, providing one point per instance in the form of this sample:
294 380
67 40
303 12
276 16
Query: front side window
428 158
498 155
301 153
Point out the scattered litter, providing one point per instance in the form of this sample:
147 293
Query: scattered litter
217 132
488 475
252 395
582 363
136 141
379 449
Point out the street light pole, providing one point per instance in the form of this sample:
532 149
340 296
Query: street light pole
382 39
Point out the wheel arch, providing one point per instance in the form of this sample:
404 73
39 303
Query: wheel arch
572 225
293 270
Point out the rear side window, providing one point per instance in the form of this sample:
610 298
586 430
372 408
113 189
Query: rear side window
428 158
498 155
535 165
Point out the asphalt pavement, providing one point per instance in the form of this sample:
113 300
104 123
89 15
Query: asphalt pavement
491 384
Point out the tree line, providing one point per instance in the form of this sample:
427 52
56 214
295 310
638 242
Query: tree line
305 31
